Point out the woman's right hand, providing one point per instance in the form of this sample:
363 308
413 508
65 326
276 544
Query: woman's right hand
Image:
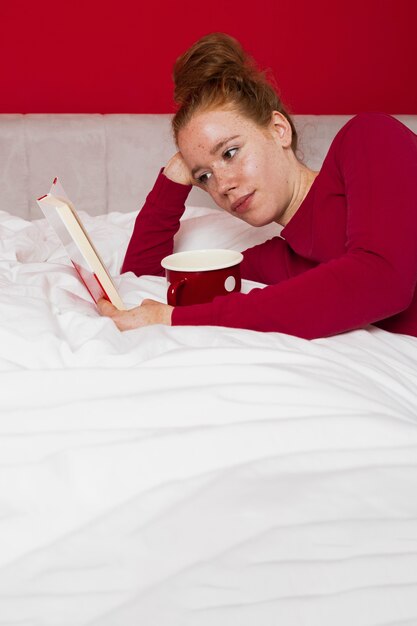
177 171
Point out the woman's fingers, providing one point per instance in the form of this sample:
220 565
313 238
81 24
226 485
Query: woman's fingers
106 308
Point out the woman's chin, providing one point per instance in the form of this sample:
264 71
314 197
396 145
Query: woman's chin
256 220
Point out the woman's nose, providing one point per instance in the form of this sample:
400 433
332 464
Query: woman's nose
226 182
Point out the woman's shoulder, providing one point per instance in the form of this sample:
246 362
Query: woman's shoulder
375 130
371 122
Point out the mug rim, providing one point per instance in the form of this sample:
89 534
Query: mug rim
167 261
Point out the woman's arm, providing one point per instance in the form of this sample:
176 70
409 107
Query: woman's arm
159 220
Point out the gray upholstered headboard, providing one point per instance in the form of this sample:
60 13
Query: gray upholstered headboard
109 162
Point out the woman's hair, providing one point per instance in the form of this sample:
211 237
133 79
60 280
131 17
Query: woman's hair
216 71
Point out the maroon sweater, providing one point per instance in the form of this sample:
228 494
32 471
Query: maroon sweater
346 259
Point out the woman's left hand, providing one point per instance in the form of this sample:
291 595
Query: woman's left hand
148 313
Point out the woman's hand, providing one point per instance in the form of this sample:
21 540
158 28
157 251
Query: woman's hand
177 171
148 313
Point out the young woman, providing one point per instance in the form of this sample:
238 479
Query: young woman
347 255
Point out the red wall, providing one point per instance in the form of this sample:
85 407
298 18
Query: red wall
115 57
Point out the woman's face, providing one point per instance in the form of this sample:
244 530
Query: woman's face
248 170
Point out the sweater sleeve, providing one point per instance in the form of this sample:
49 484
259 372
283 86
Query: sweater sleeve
155 227
159 220
376 277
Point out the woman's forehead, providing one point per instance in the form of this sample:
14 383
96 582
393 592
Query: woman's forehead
208 128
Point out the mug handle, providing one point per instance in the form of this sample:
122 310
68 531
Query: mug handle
173 290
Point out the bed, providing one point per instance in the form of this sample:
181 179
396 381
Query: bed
192 476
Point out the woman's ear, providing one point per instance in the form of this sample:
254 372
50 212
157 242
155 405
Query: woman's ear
281 129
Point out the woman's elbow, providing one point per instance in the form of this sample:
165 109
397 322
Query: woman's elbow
398 295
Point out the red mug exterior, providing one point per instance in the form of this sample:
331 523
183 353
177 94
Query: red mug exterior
195 277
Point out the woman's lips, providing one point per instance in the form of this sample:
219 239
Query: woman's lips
242 204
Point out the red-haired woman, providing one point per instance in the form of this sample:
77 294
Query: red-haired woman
347 255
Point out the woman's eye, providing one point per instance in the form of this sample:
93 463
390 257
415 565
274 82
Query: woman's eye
230 153
204 178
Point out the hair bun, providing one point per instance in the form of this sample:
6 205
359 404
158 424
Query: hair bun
216 58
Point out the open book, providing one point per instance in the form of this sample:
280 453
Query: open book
63 218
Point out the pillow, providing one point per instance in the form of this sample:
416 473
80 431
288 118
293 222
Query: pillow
210 228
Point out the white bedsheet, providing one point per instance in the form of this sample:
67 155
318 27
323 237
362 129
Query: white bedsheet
195 476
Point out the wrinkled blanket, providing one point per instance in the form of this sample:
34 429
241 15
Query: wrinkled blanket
195 476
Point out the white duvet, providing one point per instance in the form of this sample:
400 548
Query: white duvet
195 476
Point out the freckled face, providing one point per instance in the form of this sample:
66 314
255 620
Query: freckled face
246 169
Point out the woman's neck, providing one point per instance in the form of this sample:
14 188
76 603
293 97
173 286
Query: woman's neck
303 180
